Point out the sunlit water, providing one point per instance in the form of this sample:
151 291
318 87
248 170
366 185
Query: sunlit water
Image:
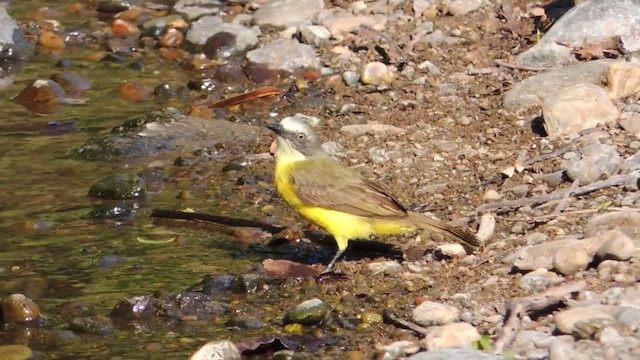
50 252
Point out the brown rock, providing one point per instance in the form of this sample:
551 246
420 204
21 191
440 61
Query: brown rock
623 79
579 107
17 308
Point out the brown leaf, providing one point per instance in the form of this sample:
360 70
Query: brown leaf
288 269
251 95
608 48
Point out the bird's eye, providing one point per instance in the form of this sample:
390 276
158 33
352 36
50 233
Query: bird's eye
301 136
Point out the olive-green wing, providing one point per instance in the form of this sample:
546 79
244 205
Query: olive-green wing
327 183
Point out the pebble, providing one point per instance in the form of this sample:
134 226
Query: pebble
377 73
459 352
620 247
222 350
371 127
535 238
95 325
631 125
463 7
451 250
286 13
626 222
566 320
193 9
397 349
351 78
288 55
205 28
119 187
315 34
338 26
569 261
432 313
371 318
491 195
607 269
17 308
430 67
597 160
561 349
385 267
15 352
310 312
446 336
539 279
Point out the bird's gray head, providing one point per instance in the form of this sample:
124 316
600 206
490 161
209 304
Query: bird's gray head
297 133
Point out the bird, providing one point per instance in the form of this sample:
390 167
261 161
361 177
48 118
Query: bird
337 198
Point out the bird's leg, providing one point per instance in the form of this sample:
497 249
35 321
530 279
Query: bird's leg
333 261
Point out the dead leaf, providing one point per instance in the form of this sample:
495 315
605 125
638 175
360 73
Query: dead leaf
608 48
251 95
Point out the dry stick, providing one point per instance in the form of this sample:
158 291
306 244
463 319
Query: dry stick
518 308
612 181
586 211
527 164
520 67
394 319
570 213
565 200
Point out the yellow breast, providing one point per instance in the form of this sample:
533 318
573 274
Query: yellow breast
339 224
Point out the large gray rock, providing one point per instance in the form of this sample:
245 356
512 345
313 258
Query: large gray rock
533 91
208 26
288 55
284 13
579 107
596 160
590 22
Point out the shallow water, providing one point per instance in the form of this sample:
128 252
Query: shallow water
51 252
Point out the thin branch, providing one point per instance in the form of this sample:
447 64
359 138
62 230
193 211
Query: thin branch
390 317
565 200
520 67
557 195
525 165
518 308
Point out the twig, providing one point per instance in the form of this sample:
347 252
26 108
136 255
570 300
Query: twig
518 308
546 156
585 211
525 165
392 318
472 70
612 181
520 67
223 220
565 200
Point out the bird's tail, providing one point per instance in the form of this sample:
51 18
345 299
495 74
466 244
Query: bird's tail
468 240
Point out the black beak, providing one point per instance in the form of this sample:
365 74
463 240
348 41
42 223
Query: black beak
276 128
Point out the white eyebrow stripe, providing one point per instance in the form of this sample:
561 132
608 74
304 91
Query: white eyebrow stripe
294 125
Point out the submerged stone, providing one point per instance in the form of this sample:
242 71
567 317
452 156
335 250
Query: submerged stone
97 325
15 352
110 212
310 312
17 308
185 305
119 187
